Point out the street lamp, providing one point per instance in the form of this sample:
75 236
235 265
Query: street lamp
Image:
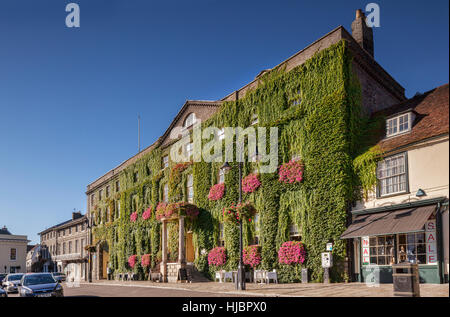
240 282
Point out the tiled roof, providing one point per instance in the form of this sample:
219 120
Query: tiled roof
431 118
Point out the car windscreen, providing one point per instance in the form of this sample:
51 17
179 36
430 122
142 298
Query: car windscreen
38 279
14 277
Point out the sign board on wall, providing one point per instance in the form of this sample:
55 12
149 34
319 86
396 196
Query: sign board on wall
430 239
365 250
327 259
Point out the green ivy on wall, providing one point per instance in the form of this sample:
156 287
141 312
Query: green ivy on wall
317 110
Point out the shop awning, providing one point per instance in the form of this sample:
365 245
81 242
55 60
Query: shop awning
390 222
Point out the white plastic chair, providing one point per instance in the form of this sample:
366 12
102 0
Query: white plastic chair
259 275
272 276
219 276
228 275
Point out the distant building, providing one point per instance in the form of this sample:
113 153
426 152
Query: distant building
13 252
38 259
62 247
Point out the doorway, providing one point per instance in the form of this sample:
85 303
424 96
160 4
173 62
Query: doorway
190 255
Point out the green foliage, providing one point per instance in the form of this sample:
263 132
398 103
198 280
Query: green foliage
316 108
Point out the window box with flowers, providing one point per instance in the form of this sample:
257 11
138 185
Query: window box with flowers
160 210
291 172
133 216
291 256
147 213
250 183
217 257
216 192
251 256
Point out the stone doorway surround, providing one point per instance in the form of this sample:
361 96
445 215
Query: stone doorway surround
170 271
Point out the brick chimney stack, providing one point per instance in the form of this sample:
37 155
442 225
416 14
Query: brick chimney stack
76 215
362 33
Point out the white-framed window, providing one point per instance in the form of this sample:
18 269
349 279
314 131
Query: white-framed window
399 124
381 250
189 149
92 199
221 134
254 119
391 175
294 233
76 246
165 162
100 192
117 186
13 254
166 193
190 188
190 120
221 176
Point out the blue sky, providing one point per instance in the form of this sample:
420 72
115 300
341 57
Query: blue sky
69 98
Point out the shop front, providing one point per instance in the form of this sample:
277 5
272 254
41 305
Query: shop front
395 234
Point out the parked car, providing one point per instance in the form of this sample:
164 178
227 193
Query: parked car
3 293
60 277
40 285
11 281
2 277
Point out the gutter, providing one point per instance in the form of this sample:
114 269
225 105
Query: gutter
400 206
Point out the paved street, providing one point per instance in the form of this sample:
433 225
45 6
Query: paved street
213 289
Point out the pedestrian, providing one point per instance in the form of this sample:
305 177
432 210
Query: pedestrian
108 271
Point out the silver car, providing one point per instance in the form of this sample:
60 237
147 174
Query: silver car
10 283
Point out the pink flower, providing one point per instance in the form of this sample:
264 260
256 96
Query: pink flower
291 252
134 216
217 256
145 260
251 255
291 172
250 183
147 213
132 260
216 191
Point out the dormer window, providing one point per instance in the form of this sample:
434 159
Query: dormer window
190 120
399 124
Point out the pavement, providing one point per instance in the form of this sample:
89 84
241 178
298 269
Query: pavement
213 289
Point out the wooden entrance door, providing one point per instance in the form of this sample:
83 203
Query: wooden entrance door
105 260
190 256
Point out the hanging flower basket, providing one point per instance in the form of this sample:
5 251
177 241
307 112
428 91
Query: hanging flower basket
216 191
250 183
251 255
147 213
145 260
217 256
291 172
134 216
292 252
160 210
132 260
240 212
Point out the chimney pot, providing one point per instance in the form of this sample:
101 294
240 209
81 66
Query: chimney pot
362 33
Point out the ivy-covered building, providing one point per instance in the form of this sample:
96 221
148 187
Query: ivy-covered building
321 100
